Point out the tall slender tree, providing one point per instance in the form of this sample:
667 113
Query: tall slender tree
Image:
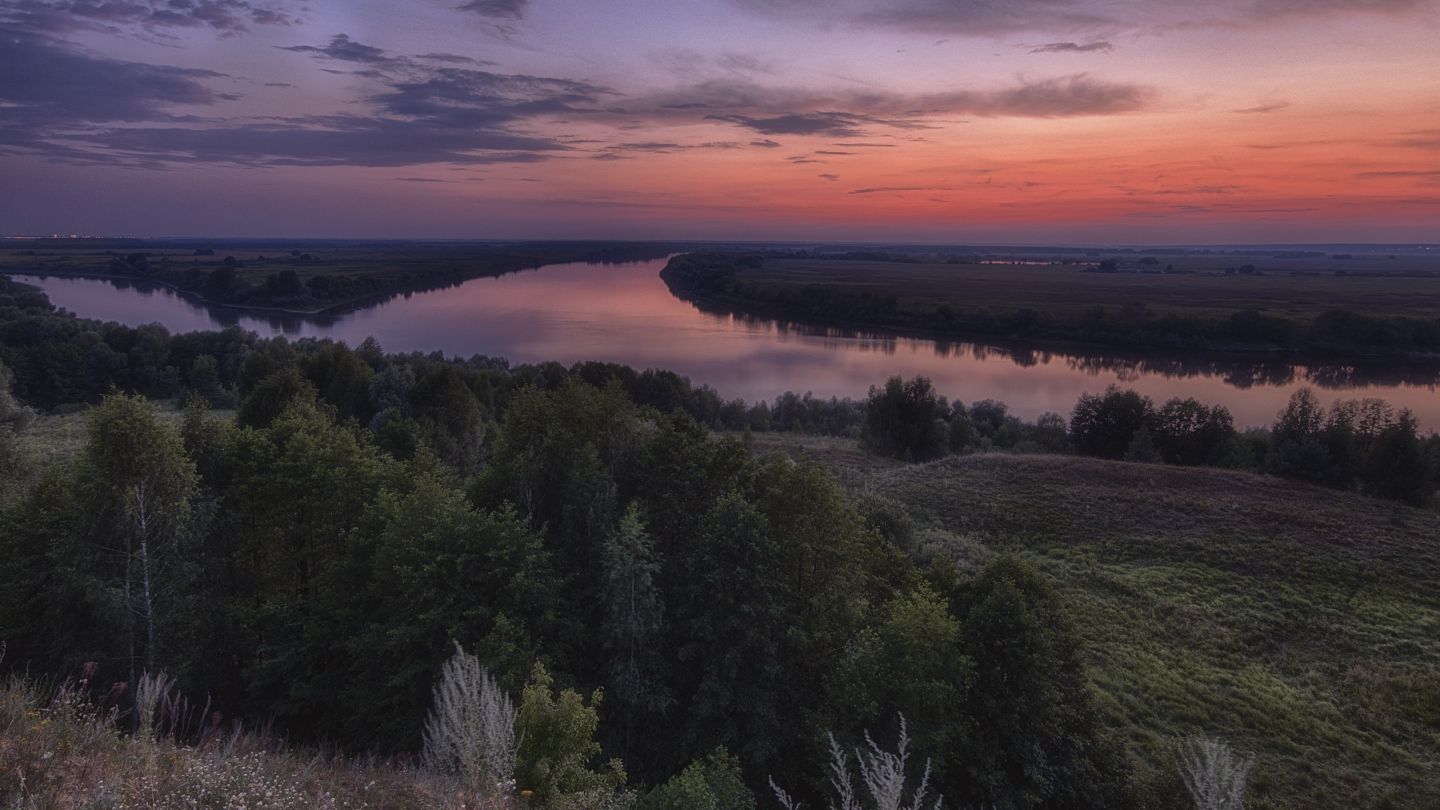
634 621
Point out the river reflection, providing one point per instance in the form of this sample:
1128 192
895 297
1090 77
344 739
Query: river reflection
625 314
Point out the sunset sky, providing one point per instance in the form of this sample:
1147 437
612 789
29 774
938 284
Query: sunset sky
1034 121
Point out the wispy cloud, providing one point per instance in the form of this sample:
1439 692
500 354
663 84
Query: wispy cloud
1261 109
1074 47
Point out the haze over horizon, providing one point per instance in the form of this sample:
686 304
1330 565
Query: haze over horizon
1045 121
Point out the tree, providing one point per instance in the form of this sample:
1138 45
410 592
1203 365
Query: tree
1036 739
272 396
425 567
730 623
1187 432
138 485
557 742
905 420
1396 466
911 662
634 619
1298 449
1104 425
15 463
1142 448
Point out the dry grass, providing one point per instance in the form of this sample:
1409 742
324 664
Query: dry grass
59 438
1297 622
53 757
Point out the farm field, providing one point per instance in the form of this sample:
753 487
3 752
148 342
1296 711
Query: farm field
1408 285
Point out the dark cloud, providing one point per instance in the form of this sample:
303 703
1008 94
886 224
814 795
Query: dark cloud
64 16
835 124
766 144
1074 47
344 49
991 17
332 141
45 82
65 104
453 59
899 189
503 9
666 147
831 177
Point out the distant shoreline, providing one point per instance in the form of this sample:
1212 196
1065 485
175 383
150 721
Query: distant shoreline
681 284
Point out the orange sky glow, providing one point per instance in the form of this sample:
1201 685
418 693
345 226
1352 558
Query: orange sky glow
1087 121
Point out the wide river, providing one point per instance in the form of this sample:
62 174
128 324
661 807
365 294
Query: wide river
625 314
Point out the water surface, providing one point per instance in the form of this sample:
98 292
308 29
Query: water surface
625 314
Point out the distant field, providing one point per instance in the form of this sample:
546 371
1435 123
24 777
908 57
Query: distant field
1296 622
59 438
1298 288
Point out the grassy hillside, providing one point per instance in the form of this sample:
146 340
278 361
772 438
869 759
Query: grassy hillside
1299 623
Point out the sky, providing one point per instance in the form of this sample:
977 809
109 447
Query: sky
960 121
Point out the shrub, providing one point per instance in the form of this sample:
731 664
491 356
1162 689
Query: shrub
1214 775
471 728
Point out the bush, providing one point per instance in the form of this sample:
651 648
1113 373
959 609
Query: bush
713 783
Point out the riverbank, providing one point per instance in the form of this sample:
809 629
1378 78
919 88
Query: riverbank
1066 309
316 280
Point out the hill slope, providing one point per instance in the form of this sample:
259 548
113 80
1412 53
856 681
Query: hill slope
1297 622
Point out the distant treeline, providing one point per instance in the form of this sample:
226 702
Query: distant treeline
1364 445
715 279
307 282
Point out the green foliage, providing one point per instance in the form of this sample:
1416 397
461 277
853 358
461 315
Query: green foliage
634 622
1187 432
730 619
272 395
557 742
1104 425
911 662
437 569
135 486
906 420
1036 738
713 783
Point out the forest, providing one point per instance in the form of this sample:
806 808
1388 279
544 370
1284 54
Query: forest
564 587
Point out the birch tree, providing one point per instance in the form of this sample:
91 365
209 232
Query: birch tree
138 486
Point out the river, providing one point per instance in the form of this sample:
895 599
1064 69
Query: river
625 314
